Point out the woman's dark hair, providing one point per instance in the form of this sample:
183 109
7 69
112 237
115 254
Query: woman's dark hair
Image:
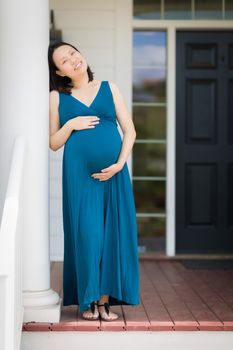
57 82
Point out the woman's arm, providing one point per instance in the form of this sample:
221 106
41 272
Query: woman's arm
126 124
57 136
129 135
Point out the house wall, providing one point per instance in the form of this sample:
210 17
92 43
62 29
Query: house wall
101 30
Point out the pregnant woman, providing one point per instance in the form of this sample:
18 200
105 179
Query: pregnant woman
100 266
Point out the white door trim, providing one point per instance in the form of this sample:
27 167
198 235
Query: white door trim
171 26
123 56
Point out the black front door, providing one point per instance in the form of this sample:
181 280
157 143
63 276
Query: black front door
204 142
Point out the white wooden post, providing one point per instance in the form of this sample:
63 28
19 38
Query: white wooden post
24 98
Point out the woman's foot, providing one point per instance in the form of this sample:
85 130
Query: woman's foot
105 312
92 313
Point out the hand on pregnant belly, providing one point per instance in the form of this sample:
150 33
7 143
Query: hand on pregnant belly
84 122
97 149
107 173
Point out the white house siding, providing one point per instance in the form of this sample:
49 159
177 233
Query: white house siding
101 30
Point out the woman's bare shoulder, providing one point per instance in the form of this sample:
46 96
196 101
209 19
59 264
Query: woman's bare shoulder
54 94
112 84
114 88
54 97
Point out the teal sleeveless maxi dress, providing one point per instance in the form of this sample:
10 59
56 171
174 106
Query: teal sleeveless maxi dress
99 217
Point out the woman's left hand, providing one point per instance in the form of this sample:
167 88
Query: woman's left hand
108 172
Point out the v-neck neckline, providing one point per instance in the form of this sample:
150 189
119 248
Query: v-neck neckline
88 106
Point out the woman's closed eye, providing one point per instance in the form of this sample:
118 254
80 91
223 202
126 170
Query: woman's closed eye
66 60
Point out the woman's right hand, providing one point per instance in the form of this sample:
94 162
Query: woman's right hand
84 122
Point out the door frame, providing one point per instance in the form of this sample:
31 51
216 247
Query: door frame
171 27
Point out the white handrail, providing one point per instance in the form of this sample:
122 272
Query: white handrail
11 230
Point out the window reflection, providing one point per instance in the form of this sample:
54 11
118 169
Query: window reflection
228 9
147 9
149 48
208 9
151 226
150 122
149 159
149 196
149 85
149 61
179 9
151 233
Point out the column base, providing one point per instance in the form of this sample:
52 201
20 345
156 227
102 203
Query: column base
43 306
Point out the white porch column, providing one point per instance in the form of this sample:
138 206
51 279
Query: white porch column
24 98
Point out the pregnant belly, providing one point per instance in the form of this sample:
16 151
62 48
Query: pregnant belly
95 148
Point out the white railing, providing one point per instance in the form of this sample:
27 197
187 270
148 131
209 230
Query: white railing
11 230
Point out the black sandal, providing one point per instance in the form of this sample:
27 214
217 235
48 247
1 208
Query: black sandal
106 307
93 303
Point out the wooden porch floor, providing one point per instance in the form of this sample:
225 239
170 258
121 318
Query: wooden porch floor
172 297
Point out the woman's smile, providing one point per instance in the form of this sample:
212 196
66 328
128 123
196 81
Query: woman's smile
78 65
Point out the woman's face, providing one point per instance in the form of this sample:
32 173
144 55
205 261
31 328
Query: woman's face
69 61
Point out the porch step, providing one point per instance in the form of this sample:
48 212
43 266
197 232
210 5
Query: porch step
126 340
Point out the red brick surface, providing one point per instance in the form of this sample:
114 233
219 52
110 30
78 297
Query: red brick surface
171 298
